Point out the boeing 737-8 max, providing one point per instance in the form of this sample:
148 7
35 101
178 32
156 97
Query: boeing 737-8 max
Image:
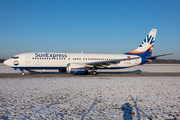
80 63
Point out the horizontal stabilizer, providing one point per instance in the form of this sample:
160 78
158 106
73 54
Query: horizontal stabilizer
159 56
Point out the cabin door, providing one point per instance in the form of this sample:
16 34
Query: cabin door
28 58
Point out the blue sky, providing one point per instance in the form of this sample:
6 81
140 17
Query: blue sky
92 26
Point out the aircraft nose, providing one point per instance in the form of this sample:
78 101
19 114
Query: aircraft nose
7 62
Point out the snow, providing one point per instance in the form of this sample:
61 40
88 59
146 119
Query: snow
90 98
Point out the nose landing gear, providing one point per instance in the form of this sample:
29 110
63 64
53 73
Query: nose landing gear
22 71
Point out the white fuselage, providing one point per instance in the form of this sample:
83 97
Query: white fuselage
46 60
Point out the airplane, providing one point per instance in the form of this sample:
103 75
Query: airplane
82 63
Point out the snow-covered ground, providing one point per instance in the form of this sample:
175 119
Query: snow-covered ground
143 68
90 98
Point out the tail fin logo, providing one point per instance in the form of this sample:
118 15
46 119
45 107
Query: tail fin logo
146 47
148 40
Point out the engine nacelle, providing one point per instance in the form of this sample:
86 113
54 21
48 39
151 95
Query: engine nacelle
76 68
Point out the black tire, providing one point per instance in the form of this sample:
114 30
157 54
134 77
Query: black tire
93 72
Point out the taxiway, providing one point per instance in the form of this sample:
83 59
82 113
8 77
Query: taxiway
101 74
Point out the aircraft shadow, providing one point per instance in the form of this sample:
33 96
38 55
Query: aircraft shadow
119 72
98 72
48 73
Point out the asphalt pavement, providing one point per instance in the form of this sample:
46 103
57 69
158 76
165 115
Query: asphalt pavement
100 74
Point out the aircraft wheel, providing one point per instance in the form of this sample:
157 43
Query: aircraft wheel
22 71
93 72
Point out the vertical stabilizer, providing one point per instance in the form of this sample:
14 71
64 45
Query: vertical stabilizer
146 47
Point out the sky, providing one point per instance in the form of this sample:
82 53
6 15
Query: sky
91 26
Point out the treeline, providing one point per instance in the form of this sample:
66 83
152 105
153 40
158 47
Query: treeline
162 61
2 60
157 61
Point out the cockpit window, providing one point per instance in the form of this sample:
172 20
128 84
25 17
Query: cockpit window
15 57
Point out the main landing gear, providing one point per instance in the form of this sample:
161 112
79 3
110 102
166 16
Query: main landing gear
93 72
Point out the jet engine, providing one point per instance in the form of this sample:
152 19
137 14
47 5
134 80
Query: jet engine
76 68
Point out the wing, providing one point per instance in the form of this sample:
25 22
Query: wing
103 64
